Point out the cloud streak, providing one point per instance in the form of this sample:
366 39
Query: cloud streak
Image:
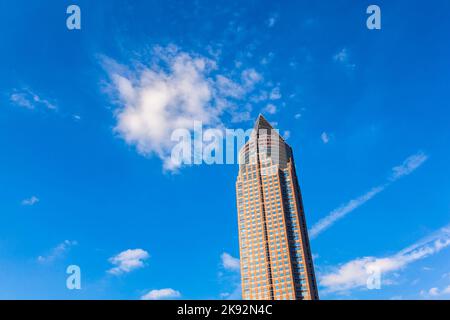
408 166
411 164
27 99
355 273
57 252
30 201
342 211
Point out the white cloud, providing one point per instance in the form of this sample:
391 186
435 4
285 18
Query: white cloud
325 138
250 77
30 201
270 108
263 95
293 64
342 211
343 57
127 261
446 290
236 294
161 294
21 100
232 278
27 99
58 251
435 292
267 59
275 94
229 262
355 273
286 134
174 89
409 166
272 20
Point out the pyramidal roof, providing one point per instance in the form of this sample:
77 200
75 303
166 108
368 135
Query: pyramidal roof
262 123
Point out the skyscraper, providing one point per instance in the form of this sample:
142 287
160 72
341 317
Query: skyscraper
276 260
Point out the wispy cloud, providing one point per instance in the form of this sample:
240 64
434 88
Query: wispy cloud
272 20
232 278
161 294
236 294
342 211
354 274
57 252
435 292
30 201
127 261
407 167
26 98
270 108
343 58
325 137
229 262
275 94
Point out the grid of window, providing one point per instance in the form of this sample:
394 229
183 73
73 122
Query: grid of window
272 247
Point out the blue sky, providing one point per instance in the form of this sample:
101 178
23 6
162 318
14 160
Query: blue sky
366 113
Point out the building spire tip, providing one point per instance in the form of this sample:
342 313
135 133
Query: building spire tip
262 122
